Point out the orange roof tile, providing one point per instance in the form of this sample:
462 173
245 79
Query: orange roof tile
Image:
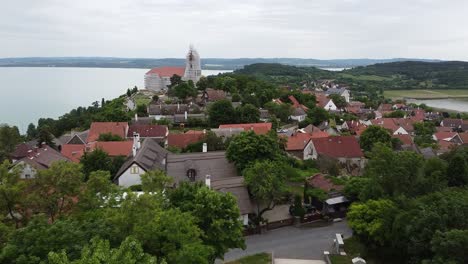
116 128
167 71
258 128
298 141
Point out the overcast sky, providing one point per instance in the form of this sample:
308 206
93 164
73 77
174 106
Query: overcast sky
322 29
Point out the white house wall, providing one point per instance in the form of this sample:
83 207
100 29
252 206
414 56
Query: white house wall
128 179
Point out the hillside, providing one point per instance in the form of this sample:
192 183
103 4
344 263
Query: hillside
415 74
386 76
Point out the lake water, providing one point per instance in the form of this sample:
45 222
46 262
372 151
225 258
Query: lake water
27 94
459 104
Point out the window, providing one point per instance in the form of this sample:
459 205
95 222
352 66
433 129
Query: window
134 170
27 176
191 174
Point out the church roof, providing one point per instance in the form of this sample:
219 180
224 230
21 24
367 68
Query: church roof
167 71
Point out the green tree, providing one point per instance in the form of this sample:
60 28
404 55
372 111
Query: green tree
249 147
32 243
100 252
216 214
221 112
98 192
450 246
372 220
96 160
338 100
248 114
9 139
175 80
424 132
184 90
155 181
45 136
202 83
457 170
356 186
12 191
267 183
374 134
141 110
317 115
281 111
53 190
31 133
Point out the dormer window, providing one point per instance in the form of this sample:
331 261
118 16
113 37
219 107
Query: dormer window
191 174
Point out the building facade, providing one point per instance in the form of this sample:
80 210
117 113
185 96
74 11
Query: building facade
192 66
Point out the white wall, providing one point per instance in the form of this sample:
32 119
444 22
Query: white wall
128 179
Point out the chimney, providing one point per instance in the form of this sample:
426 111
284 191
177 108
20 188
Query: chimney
136 143
134 150
208 181
205 147
178 107
204 131
186 116
136 117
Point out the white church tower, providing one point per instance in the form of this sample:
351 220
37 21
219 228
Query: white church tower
192 66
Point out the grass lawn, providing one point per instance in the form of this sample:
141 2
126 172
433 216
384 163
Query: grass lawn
141 99
338 259
261 258
426 94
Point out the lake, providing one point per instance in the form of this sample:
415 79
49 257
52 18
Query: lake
27 94
452 104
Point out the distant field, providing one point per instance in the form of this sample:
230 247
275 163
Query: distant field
365 77
426 94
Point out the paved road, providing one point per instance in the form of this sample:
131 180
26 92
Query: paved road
292 242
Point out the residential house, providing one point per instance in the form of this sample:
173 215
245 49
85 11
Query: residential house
74 137
299 145
258 128
213 169
447 140
344 149
227 132
182 140
299 110
160 111
390 124
264 115
146 156
339 91
406 141
354 127
213 95
74 152
182 119
325 102
314 131
36 159
455 124
115 128
157 132
464 138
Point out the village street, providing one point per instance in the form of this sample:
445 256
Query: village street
292 242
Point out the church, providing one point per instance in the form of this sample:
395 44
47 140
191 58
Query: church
159 78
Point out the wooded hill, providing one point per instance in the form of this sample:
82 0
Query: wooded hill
394 75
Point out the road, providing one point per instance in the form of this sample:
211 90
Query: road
292 242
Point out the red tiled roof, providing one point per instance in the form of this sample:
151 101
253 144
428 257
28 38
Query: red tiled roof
387 123
298 141
150 131
73 152
115 128
167 71
294 101
21 151
419 115
445 135
183 140
215 95
405 139
322 100
258 128
444 129
112 148
464 138
338 147
43 157
115 148
320 181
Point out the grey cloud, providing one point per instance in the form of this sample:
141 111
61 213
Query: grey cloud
225 28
